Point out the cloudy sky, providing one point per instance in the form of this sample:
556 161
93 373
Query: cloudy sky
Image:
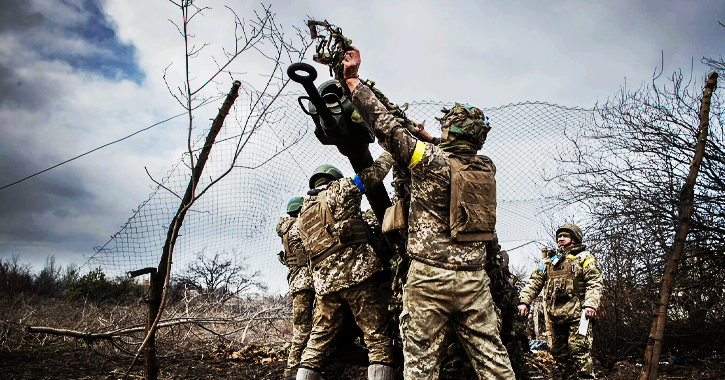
77 74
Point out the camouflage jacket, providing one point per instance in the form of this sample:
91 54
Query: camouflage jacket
429 235
356 263
575 283
298 278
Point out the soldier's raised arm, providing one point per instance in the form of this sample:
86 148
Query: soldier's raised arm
391 135
375 174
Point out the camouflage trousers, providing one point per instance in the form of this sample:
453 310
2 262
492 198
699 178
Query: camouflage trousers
572 351
367 307
434 297
303 302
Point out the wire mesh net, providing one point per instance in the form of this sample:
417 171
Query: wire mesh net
237 216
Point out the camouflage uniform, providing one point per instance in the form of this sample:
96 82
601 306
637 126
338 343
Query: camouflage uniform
446 281
565 296
505 297
344 277
303 295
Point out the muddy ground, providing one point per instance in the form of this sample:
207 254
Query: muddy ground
74 361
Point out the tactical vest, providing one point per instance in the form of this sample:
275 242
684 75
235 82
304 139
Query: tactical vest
473 199
322 235
563 291
295 255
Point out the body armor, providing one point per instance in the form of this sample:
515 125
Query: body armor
473 198
563 291
322 235
294 254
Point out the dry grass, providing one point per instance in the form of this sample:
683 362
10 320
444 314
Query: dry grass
193 325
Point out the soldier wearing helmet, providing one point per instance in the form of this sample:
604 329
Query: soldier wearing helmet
451 217
342 262
572 285
300 284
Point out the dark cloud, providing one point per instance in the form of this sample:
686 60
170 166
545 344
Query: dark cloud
61 213
29 94
40 209
16 15
39 194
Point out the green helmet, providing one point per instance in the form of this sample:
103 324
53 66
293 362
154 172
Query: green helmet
324 170
576 232
294 205
468 122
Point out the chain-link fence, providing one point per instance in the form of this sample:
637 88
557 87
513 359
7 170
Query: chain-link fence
237 216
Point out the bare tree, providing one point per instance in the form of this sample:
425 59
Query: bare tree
48 281
262 36
219 277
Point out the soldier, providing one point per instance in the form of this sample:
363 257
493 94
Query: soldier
572 285
342 263
451 216
300 284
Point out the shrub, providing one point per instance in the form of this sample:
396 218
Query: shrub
94 286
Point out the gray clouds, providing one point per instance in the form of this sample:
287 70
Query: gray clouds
17 15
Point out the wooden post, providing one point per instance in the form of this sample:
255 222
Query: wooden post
687 195
151 365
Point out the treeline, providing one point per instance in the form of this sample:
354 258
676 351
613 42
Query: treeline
217 278
56 281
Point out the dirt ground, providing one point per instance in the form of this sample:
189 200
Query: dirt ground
74 361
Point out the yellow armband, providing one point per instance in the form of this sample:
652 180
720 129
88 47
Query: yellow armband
417 154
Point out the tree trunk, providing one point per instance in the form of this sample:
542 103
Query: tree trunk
687 195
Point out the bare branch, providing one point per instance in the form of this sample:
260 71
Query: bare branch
159 184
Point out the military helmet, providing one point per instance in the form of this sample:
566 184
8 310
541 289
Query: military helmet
324 170
467 121
294 205
571 228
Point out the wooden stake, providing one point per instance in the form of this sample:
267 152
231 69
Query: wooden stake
687 196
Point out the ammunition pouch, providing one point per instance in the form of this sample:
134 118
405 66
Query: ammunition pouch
295 256
395 217
473 199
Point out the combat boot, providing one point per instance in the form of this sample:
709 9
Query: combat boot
308 374
380 372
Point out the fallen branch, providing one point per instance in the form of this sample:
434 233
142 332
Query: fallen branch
136 329
73 333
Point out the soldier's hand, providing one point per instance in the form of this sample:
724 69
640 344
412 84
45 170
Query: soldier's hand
350 66
523 310
590 313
